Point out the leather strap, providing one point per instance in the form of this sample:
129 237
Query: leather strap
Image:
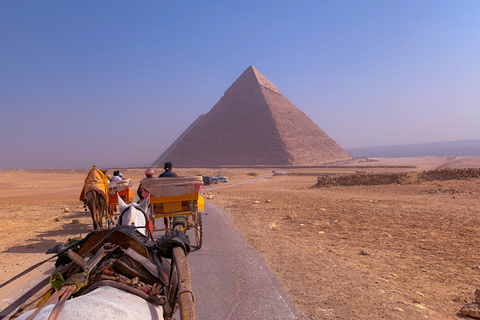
40 263
11 308
15 305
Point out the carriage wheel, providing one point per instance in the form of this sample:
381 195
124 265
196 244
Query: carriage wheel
198 230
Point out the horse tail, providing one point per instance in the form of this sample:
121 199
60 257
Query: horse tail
96 204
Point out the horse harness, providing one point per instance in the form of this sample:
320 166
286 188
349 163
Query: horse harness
119 257
147 221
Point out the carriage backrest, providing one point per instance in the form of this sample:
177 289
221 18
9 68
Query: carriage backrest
172 187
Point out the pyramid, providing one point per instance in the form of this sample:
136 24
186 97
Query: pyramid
253 124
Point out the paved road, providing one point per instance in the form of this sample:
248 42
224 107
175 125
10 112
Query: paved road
230 279
228 185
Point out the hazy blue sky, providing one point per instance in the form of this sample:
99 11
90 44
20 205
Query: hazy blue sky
116 82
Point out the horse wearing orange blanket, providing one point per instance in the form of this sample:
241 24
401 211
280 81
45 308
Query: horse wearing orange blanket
95 192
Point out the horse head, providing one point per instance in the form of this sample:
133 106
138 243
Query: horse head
134 214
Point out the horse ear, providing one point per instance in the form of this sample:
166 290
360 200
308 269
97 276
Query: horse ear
121 203
145 203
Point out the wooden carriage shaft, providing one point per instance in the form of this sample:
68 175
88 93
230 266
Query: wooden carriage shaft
185 298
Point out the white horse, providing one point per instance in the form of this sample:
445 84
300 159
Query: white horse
108 302
103 303
134 214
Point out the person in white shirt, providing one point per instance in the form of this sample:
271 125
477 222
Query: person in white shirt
116 176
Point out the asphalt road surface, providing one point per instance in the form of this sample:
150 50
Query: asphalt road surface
230 279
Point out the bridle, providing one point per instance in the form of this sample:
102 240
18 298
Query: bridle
147 220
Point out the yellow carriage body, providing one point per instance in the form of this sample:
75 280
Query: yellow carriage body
176 197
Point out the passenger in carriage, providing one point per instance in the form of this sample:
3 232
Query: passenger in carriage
142 194
168 171
116 176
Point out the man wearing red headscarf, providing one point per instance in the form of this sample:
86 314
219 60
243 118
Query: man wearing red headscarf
142 194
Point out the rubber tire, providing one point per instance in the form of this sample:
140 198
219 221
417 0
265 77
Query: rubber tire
199 232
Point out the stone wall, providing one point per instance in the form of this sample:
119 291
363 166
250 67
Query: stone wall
449 174
368 179
361 179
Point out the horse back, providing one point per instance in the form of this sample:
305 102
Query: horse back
103 303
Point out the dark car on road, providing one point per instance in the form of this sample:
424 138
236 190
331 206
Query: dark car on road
207 180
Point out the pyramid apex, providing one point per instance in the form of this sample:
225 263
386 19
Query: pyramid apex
250 77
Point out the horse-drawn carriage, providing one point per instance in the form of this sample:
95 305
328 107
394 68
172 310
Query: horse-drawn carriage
109 267
122 188
100 195
176 201
116 273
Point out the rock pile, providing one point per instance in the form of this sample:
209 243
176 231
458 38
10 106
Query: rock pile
472 309
369 179
361 179
449 174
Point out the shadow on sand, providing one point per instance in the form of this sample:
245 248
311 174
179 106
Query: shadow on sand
41 243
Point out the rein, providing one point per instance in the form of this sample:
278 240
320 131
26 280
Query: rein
17 303
40 263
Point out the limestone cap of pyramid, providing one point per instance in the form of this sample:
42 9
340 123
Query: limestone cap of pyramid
249 78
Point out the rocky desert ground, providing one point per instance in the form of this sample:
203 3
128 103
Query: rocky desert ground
396 251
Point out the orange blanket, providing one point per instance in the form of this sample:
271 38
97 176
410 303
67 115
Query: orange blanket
97 181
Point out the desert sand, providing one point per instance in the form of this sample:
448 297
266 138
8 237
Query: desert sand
362 252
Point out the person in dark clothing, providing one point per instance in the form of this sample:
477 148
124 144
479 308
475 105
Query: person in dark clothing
168 171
